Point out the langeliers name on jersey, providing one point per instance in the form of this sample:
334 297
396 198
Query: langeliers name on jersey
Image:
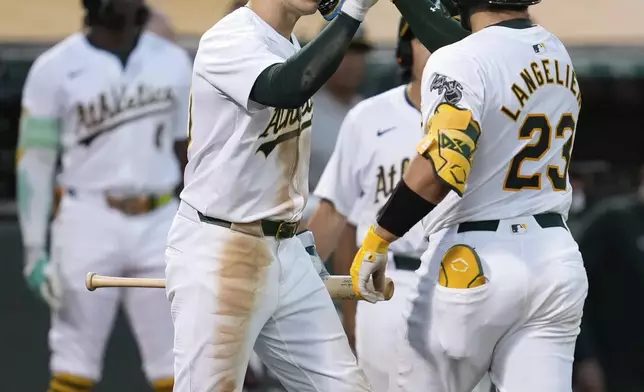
287 124
109 111
538 74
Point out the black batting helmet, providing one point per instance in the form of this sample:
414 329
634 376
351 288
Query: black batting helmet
101 12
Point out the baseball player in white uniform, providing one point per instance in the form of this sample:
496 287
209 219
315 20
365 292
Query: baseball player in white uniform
375 146
112 106
237 276
502 284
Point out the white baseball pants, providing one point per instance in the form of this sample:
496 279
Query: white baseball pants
521 325
377 332
232 292
88 235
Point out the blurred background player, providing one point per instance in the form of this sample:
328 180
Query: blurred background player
334 100
373 150
110 106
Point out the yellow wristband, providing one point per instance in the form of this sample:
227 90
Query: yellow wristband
374 243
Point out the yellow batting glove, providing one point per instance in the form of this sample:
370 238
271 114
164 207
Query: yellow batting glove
370 261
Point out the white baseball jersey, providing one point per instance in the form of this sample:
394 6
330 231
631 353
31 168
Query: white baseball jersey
525 96
118 123
374 147
245 161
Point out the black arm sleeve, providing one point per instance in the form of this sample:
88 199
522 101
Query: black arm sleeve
429 24
290 84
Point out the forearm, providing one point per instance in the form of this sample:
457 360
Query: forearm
326 225
290 84
416 195
421 178
35 192
429 24
38 145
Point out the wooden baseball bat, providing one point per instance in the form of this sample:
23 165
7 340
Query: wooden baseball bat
339 286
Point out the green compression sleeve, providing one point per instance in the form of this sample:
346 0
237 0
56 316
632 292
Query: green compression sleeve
429 24
290 84
35 171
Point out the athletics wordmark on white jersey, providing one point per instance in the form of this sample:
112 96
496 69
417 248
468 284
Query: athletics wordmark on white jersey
521 87
245 161
118 122
374 147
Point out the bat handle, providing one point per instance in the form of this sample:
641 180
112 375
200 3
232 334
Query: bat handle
389 289
89 281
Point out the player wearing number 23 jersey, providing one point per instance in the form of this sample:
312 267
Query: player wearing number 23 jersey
502 284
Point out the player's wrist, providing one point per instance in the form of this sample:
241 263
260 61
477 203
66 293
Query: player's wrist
403 210
306 238
34 248
373 242
355 9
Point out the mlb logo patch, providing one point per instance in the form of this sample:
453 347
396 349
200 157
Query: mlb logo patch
539 48
519 228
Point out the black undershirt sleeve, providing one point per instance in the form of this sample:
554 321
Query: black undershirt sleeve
429 24
290 84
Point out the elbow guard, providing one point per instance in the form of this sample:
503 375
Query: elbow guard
450 143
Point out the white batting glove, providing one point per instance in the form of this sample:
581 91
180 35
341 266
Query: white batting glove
308 241
357 9
370 264
42 278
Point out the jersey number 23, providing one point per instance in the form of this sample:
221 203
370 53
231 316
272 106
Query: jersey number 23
535 151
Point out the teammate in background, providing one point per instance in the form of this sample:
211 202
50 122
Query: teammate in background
112 104
502 284
237 276
332 103
374 149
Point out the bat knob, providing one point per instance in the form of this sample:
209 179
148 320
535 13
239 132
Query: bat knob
88 281
389 290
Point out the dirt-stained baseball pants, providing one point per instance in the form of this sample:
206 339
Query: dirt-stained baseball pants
233 291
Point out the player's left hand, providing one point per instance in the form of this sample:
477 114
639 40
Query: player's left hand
41 277
308 241
370 263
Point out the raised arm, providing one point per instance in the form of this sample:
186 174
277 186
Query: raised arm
431 24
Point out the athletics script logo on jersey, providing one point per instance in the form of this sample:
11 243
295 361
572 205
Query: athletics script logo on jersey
285 124
109 111
388 177
452 90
